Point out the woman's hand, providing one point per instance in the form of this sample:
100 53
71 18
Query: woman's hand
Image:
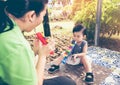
51 44
36 43
43 50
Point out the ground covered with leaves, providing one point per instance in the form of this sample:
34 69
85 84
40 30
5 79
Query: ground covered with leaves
63 38
106 58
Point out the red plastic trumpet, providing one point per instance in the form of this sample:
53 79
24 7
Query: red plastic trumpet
43 40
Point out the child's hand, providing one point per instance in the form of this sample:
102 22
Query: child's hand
74 57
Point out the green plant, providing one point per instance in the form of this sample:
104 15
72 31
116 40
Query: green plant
87 17
110 22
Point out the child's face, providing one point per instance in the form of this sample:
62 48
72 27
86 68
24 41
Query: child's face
78 36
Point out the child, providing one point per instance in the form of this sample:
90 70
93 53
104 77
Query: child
77 54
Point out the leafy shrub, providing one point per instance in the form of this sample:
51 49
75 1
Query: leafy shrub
110 22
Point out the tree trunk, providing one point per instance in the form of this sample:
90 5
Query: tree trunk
98 24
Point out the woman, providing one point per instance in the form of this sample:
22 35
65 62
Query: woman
16 57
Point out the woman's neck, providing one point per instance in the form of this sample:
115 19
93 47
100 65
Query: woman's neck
20 22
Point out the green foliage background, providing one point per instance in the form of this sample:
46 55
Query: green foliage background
110 20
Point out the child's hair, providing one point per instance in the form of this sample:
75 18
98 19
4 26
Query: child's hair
78 28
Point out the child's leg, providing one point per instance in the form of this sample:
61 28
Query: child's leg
58 60
89 78
86 63
55 66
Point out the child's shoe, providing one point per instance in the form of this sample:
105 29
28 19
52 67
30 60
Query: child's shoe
53 68
89 78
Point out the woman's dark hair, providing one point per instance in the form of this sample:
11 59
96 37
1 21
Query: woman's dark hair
18 8
79 27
